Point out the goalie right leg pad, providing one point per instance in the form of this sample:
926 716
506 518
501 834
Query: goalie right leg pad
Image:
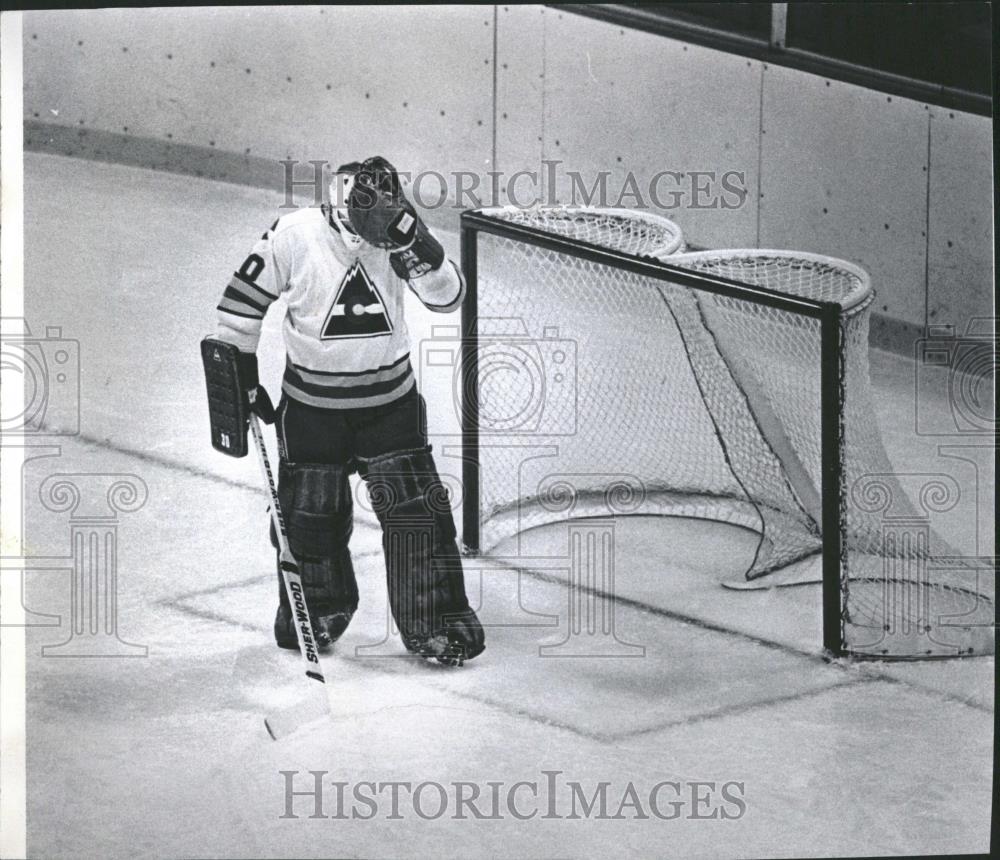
316 504
332 595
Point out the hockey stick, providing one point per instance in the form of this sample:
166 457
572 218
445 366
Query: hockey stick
289 567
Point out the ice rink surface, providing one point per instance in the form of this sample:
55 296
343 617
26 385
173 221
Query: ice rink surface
166 755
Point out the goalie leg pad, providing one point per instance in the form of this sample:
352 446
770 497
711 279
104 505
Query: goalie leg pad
316 506
423 566
331 592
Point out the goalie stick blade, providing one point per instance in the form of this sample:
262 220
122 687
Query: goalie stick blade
284 722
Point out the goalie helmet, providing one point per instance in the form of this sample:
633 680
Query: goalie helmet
377 208
342 183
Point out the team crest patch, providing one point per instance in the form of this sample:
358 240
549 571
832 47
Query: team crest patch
358 309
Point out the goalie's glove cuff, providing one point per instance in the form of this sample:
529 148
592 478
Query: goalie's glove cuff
258 400
423 254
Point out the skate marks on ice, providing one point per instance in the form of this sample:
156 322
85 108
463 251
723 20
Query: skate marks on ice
598 698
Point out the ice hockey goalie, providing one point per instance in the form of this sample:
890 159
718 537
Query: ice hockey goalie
349 402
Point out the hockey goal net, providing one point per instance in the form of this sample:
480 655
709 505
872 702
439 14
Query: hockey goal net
606 371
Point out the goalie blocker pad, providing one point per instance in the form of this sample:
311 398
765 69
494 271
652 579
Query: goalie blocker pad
227 404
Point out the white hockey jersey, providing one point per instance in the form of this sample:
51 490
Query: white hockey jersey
345 336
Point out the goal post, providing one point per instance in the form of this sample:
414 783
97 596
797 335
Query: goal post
607 371
832 423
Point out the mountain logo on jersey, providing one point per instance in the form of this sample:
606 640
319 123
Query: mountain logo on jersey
358 309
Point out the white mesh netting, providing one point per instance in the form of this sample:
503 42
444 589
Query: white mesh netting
603 392
639 233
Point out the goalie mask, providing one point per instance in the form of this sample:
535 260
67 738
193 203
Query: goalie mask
369 198
376 177
341 185
377 208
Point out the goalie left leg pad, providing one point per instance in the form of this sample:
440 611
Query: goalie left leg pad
423 566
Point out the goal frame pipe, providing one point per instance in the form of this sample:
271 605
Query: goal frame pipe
645 266
829 315
832 481
469 369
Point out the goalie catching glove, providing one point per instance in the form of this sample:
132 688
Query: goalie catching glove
234 392
381 215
